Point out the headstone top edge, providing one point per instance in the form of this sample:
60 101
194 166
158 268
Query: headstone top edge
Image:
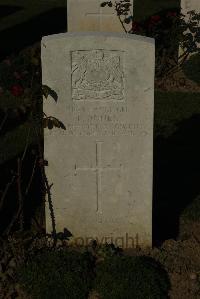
100 34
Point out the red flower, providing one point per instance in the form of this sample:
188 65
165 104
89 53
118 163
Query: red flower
17 90
171 14
17 75
155 19
135 26
7 61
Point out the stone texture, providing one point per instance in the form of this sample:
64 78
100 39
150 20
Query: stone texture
101 165
188 5
88 15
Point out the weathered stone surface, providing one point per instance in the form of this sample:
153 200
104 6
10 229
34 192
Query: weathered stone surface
101 165
88 15
186 6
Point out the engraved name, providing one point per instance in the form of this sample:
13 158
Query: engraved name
113 129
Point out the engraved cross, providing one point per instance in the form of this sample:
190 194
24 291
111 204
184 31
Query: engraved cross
98 169
187 4
100 13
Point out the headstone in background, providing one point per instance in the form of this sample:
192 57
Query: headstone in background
101 165
186 6
88 15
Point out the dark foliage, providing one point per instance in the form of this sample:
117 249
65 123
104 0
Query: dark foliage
191 68
59 274
131 277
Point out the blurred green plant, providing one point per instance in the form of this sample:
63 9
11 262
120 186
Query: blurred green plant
191 68
21 101
129 277
192 211
103 251
57 274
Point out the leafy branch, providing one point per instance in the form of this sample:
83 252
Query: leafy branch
122 9
35 124
168 29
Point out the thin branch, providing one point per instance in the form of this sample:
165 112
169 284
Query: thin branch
31 178
19 192
19 212
122 24
176 67
183 54
48 191
38 225
6 191
4 120
20 201
184 59
26 146
117 6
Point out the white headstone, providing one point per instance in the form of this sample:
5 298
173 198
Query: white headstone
88 15
101 165
186 6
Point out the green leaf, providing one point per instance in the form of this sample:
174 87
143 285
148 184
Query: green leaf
35 61
127 20
62 126
46 91
103 4
45 122
50 124
57 123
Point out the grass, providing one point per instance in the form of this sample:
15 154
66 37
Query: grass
171 108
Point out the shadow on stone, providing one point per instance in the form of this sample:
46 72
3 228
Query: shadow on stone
176 177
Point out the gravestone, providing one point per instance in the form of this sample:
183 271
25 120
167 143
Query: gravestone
88 15
101 165
186 6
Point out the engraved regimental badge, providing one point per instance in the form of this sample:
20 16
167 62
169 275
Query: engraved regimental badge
97 75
